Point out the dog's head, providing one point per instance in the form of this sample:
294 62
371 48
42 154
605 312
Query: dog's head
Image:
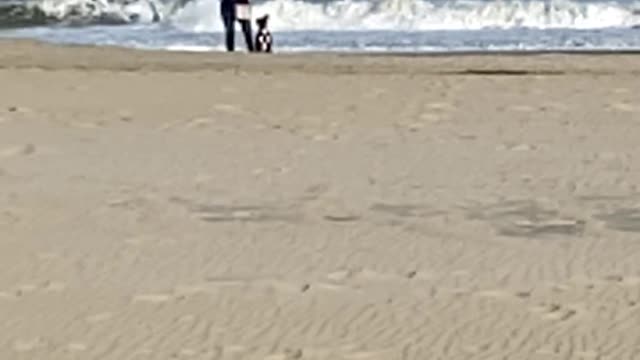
262 21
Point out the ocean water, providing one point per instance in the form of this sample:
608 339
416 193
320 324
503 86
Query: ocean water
336 25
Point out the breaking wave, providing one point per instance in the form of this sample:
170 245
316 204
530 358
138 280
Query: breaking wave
24 13
294 15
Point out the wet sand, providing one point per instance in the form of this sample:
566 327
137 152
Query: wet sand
159 205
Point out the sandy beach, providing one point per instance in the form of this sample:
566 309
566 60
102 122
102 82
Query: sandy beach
159 205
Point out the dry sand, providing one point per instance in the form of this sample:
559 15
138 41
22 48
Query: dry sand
206 206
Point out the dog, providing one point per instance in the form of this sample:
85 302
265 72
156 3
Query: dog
264 40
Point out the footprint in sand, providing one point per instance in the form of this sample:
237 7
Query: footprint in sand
76 347
341 217
314 192
100 317
24 150
152 298
526 218
337 210
332 287
213 285
623 219
495 294
522 108
9 217
142 353
6 295
125 116
555 311
289 354
220 213
199 122
187 353
47 256
353 279
623 107
282 286
432 118
439 106
516 147
135 240
25 345
366 355
372 275
230 109
341 275
623 280
503 294
405 211
25 289
233 350
87 124
54 286
340 213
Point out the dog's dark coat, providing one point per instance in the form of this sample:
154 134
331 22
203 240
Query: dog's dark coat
264 40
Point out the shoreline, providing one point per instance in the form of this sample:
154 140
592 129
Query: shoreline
25 54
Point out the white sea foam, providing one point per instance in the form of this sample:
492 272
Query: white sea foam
415 15
402 15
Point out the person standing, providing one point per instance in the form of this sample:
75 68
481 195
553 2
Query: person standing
240 10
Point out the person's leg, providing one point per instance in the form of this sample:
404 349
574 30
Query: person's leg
228 19
230 31
248 37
